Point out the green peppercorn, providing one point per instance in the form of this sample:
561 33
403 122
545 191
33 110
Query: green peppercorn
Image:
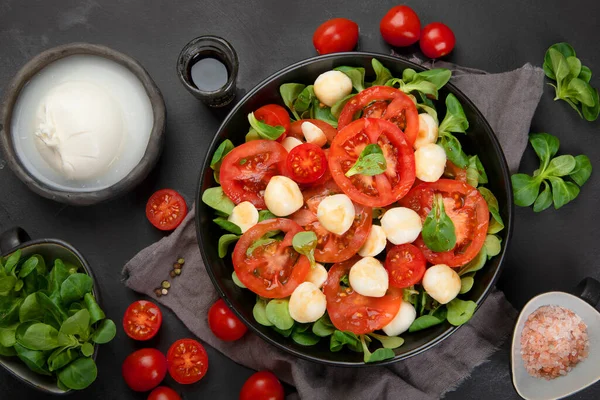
165 284
181 261
177 271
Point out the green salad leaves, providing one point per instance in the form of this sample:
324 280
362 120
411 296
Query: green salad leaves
370 162
438 229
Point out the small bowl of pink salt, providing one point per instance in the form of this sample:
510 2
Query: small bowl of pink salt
556 344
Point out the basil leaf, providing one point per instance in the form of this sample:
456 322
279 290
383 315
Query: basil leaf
224 242
79 374
260 313
105 332
543 201
562 192
460 311
215 198
224 148
305 243
228 225
262 242
475 264
305 99
339 339
560 166
237 281
388 342
591 113
336 109
356 75
11 262
370 162
37 336
438 229
289 93
454 151
525 189
28 267
466 284
585 74
492 246
278 313
263 130
323 326
304 338
545 146
382 73
455 119
582 171
96 313
323 114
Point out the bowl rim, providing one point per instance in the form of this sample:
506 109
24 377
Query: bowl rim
135 176
381 57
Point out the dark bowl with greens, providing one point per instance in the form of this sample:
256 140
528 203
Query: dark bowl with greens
51 322
479 139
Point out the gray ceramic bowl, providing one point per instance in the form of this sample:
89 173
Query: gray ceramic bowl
136 176
51 249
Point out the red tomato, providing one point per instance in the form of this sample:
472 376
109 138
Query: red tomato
405 265
335 35
452 171
164 393
166 209
142 320
274 115
247 169
350 311
400 26
188 361
387 103
437 40
296 129
144 369
223 322
306 163
467 209
263 385
273 269
379 190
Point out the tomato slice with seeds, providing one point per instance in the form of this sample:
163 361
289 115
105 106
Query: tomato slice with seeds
296 129
467 209
247 169
383 189
455 172
267 265
142 320
405 265
306 163
187 360
350 311
274 115
166 209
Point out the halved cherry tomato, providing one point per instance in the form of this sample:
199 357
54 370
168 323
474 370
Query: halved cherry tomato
383 189
387 103
467 209
273 269
306 163
274 115
223 322
188 361
164 393
405 265
437 40
262 385
400 26
350 311
166 209
247 169
296 129
144 369
142 320
335 35
453 171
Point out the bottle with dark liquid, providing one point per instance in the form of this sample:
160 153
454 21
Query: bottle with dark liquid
208 73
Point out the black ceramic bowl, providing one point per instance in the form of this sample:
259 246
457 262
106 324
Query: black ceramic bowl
480 140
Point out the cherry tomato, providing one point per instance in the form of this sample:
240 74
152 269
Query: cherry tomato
144 369
400 26
306 163
223 322
188 361
142 320
263 385
437 40
296 129
166 209
274 115
164 393
405 265
335 35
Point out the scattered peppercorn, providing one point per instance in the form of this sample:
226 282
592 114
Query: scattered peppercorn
176 265
164 292
172 273
181 261
177 271
158 292
166 284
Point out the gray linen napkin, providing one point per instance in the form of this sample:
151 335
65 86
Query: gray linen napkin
508 101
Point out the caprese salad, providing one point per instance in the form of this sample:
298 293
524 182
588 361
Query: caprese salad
356 215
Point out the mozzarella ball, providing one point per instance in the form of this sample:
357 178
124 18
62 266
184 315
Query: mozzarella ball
283 196
401 225
428 131
430 162
369 278
442 283
402 321
336 213
317 275
244 215
375 242
307 303
313 134
332 86
290 142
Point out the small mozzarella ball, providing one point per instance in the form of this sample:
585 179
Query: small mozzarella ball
244 215
369 278
442 283
332 86
317 275
290 142
430 162
313 134
375 242
402 321
401 225
428 131
283 196
336 213
307 303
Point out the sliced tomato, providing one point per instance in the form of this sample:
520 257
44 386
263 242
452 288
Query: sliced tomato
350 311
296 129
247 169
271 268
405 265
166 209
379 190
383 102
453 171
467 209
187 360
274 115
142 320
306 163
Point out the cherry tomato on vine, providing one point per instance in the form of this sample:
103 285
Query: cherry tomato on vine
335 35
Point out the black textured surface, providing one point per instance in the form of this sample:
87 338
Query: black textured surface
550 251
